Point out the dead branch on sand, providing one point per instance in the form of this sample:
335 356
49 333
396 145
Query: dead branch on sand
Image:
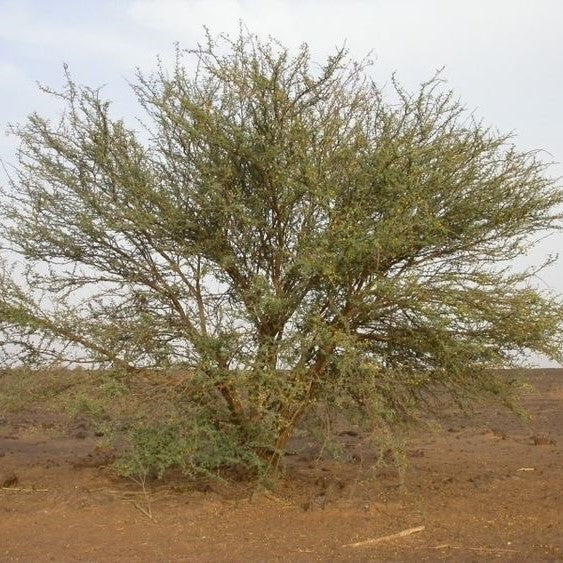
381 539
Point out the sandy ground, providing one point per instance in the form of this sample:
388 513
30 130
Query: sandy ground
489 487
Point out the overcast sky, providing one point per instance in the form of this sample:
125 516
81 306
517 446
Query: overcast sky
503 58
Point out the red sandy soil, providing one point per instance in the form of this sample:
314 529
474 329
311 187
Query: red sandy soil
486 487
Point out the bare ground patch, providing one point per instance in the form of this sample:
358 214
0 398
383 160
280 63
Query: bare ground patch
487 487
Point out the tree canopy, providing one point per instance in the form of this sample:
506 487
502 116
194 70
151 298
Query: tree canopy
285 232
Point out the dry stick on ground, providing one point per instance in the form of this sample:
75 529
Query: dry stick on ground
20 490
485 549
381 539
146 511
492 549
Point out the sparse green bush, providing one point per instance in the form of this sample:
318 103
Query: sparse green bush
113 387
84 404
197 449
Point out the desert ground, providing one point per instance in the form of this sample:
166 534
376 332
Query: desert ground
484 487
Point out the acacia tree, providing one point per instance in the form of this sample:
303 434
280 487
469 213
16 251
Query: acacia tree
285 234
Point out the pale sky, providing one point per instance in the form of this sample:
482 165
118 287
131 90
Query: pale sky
503 58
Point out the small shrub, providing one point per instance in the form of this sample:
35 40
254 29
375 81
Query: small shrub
155 448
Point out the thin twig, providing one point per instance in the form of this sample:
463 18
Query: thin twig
492 549
148 511
21 490
485 549
381 539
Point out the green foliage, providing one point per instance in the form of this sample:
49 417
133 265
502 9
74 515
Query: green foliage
286 236
194 446
85 405
112 387
22 388
155 450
